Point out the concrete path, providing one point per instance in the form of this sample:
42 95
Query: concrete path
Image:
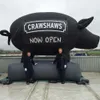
43 90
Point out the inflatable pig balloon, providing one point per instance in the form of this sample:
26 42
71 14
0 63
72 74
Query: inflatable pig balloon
44 33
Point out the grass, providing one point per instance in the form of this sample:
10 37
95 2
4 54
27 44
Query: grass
93 53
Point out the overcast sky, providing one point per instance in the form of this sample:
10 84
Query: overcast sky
10 10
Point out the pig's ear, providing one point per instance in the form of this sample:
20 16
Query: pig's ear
84 23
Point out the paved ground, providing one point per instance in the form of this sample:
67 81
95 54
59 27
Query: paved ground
48 91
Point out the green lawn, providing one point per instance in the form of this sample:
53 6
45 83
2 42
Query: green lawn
93 53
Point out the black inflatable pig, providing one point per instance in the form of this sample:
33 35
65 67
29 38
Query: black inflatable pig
44 33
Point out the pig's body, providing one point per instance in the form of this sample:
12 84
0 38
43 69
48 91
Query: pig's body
44 41
44 33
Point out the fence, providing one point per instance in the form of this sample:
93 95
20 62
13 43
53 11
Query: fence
87 63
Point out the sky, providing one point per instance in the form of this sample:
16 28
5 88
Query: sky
10 10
